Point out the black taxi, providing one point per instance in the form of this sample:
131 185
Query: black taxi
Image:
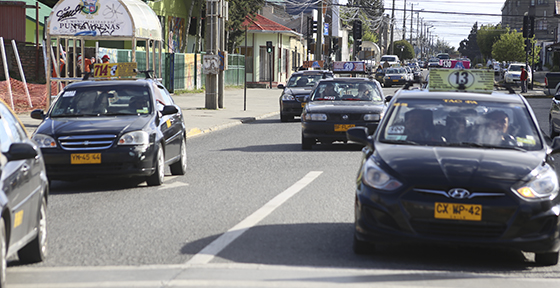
112 128
458 167
337 104
298 87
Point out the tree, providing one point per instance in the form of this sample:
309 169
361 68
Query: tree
486 36
238 10
511 47
407 49
370 12
469 47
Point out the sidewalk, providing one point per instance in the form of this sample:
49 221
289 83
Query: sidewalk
260 103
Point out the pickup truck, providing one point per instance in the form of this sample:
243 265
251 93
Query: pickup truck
552 82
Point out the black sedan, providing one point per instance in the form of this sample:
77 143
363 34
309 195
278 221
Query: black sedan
458 168
298 87
335 105
113 128
23 195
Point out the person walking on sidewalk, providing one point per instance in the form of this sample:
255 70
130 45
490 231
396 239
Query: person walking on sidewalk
523 78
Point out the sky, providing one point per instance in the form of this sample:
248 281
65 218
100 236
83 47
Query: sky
451 28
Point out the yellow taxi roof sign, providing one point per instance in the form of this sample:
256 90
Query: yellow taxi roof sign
472 80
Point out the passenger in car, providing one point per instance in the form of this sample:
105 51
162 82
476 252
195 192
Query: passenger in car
419 126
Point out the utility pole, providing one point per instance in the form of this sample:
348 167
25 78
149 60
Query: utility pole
411 21
392 29
404 21
319 43
222 40
211 57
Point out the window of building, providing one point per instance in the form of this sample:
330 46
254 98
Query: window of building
541 25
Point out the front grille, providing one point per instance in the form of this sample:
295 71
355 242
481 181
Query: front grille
462 230
339 117
86 142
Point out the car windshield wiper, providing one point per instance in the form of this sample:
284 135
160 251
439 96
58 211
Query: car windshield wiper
399 142
484 145
118 114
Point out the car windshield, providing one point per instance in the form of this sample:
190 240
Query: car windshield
460 123
303 80
392 71
346 91
515 68
388 59
102 101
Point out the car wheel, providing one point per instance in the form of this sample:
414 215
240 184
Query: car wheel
306 143
3 262
362 247
551 130
156 179
180 167
36 250
546 259
286 118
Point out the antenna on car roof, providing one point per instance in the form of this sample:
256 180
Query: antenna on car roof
147 73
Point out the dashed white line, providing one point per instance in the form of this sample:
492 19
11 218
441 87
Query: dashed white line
209 252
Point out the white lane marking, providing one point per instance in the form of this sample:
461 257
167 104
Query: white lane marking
209 252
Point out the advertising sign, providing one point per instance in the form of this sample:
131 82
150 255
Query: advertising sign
457 64
353 66
115 70
90 18
481 81
313 64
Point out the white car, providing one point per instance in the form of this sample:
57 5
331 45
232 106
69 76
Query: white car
391 59
514 71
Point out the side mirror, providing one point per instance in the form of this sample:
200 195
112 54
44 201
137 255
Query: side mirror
20 151
281 86
359 135
169 109
38 114
388 99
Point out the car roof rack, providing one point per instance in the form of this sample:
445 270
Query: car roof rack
86 75
505 86
147 73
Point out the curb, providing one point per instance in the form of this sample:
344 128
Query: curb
197 131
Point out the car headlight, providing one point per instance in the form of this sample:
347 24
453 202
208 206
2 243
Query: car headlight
386 77
134 138
540 184
44 141
376 178
372 117
315 117
288 97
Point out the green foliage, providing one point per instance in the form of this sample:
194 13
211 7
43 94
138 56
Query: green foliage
407 52
238 10
370 36
511 47
486 36
369 13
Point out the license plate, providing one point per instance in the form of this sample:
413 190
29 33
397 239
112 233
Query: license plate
456 211
343 127
395 80
87 158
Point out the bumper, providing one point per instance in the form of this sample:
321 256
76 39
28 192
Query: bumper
291 108
130 161
527 227
328 131
389 82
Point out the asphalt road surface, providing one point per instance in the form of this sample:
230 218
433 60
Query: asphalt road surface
253 210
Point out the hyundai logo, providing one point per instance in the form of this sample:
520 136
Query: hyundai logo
345 117
459 193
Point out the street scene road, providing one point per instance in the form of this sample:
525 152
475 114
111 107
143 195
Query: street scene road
253 210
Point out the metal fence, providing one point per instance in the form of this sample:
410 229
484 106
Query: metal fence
183 71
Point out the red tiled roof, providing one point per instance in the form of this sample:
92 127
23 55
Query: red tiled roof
261 23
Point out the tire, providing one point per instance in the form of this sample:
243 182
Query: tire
3 262
180 167
36 250
546 259
551 130
156 179
286 118
361 247
306 143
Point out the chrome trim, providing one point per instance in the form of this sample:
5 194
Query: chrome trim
83 142
474 194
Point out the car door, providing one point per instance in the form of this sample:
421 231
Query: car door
21 179
172 125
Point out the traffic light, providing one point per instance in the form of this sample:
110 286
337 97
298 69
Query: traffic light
358 45
309 27
335 44
269 46
314 26
528 26
357 31
528 45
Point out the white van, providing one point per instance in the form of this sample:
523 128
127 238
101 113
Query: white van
391 59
